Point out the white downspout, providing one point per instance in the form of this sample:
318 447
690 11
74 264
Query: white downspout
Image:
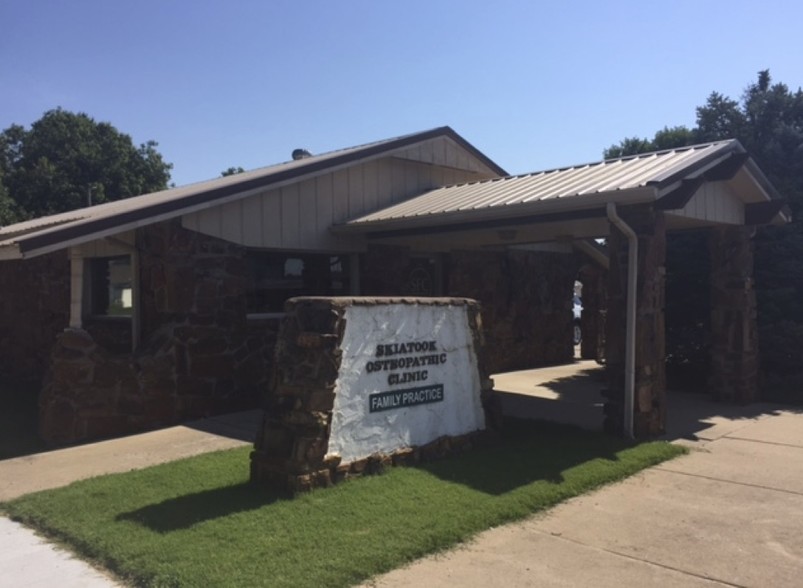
630 328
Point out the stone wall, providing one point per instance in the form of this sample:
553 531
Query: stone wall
526 302
525 297
592 319
291 447
649 410
199 355
34 308
734 350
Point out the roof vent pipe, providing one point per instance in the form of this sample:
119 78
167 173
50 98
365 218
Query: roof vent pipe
300 154
630 327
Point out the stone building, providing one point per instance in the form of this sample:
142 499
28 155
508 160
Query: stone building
164 307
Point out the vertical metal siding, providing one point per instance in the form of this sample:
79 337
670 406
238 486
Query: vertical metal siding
299 216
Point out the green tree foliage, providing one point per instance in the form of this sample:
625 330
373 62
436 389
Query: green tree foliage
7 207
768 121
65 158
231 171
666 138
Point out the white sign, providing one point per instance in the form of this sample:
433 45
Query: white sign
408 375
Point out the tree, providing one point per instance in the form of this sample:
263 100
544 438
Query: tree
666 138
768 121
8 213
231 171
67 159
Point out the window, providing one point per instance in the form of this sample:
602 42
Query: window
110 286
275 277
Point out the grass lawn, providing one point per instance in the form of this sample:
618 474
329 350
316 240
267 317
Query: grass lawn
198 522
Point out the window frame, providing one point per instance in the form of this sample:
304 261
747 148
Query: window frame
91 287
259 312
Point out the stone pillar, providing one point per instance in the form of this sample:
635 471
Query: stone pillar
591 322
734 349
650 385
311 438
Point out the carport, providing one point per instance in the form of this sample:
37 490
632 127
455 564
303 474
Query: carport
632 203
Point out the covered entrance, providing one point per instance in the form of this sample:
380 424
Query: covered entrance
165 307
631 204
570 393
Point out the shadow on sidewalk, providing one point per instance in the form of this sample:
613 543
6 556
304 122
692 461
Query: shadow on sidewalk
576 398
241 425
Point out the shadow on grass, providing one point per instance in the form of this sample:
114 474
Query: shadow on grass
527 451
523 452
185 511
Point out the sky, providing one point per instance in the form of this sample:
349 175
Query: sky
533 85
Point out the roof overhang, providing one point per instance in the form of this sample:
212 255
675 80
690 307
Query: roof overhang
581 207
668 189
64 230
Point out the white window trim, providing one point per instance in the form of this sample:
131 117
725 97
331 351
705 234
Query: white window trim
78 286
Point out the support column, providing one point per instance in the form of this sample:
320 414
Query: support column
76 288
734 338
649 403
594 286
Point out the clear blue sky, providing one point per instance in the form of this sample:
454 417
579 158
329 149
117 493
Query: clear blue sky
534 85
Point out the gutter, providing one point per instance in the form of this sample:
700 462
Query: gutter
630 328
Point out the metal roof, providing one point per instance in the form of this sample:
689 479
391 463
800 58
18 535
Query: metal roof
639 178
61 230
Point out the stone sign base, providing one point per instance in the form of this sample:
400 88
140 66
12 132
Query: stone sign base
421 356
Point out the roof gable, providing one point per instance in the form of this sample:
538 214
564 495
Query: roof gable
646 177
58 231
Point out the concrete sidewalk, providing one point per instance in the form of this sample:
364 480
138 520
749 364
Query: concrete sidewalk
728 514
26 560
51 469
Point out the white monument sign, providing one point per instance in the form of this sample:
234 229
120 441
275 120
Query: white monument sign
408 375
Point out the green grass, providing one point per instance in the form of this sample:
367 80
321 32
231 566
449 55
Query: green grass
198 522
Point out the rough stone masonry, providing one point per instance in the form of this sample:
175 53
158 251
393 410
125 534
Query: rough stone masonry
292 447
